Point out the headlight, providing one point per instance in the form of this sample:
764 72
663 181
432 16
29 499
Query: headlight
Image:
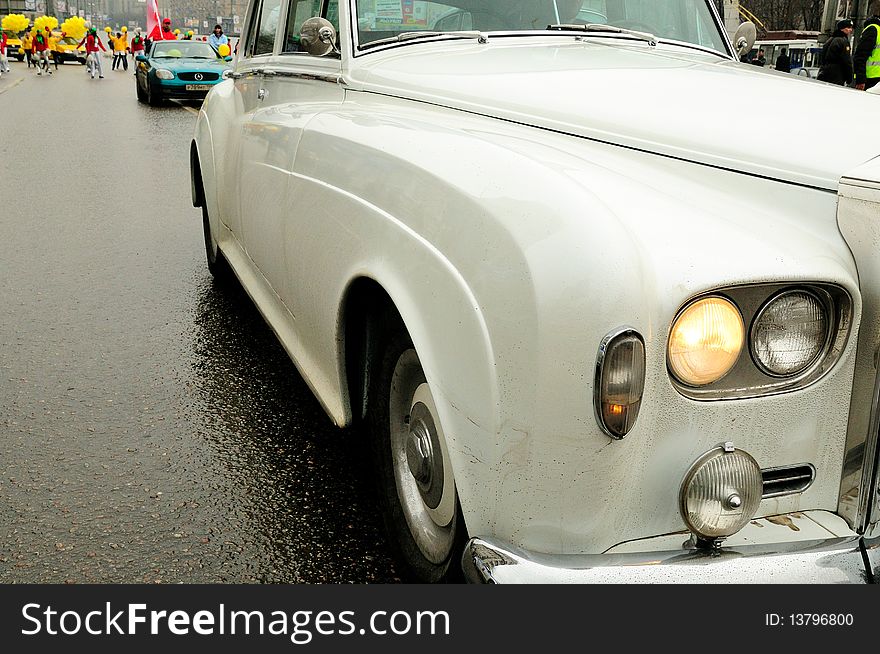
226 74
163 73
705 341
721 492
789 333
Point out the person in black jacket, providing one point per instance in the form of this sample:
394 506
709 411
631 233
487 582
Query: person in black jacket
837 64
783 62
868 42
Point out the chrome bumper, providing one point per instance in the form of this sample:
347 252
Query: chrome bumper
831 561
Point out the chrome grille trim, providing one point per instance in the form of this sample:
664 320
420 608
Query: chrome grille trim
857 218
206 77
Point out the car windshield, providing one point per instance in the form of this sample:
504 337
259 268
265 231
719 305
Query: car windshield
688 21
179 49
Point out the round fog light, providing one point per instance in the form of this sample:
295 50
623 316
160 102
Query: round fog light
721 492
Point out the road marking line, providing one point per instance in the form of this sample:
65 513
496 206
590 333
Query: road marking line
189 109
14 84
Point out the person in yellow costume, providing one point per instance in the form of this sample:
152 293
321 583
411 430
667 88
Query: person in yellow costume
120 51
27 44
53 48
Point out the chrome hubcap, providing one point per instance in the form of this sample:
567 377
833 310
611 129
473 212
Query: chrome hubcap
422 470
424 456
419 454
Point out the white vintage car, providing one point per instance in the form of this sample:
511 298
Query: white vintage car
596 325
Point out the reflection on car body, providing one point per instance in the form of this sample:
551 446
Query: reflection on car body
594 330
808 72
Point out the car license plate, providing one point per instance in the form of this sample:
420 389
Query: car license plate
198 87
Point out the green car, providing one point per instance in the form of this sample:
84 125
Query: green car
178 69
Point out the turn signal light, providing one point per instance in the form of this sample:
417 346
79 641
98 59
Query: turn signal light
620 382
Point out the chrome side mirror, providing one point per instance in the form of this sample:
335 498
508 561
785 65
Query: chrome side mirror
745 37
317 36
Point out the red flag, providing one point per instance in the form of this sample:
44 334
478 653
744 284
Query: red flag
154 23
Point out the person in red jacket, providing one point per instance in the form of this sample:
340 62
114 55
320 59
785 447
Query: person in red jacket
4 60
41 50
137 47
163 34
92 43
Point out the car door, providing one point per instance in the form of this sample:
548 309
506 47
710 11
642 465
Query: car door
261 159
295 86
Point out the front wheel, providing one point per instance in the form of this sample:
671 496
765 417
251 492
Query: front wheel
416 484
217 265
154 98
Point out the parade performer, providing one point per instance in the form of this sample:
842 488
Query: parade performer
54 49
137 47
4 60
27 44
92 43
41 50
120 51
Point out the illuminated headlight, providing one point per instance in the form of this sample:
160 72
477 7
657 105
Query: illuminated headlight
705 341
721 492
789 333
163 73
620 381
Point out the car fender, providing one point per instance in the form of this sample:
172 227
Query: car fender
571 240
213 147
466 250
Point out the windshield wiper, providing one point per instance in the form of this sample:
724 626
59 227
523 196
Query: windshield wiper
410 36
598 27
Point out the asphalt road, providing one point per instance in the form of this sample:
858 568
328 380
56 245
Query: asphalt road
151 428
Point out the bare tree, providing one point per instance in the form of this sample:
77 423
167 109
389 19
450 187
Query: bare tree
787 14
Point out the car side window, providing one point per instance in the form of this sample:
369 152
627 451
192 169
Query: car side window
300 11
261 39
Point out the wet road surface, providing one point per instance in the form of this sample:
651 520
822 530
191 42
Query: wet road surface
151 428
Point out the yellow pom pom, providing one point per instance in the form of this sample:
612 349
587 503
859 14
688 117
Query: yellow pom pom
177 31
15 23
107 29
124 29
74 27
224 50
41 23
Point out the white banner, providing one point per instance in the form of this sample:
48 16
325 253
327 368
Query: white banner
60 5
389 9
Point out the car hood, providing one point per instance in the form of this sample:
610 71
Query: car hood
679 102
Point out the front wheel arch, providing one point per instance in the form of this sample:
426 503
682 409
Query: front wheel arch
217 264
